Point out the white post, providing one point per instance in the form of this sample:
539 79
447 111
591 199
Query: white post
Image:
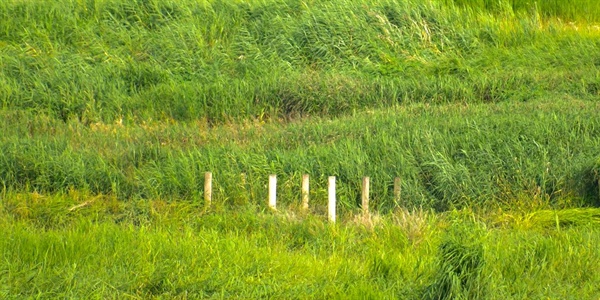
365 196
273 191
207 188
305 189
331 193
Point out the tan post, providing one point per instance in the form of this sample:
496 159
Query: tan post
365 196
397 190
273 192
207 188
305 190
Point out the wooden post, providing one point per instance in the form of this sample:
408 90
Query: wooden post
207 188
365 196
331 193
273 192
245 190
397 190
305 189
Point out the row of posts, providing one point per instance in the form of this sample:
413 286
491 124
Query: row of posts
331 204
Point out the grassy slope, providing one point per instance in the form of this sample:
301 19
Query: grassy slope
487 105
221 60
447 156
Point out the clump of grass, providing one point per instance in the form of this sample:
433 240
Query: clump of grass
461 264
565 218
572 11
417 223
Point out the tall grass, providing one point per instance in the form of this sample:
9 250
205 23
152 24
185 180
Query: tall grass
220 60
110 110
155 249
447 156
572 11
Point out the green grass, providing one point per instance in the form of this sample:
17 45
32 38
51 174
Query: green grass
448 156
111 112
112 249
571 11
226 60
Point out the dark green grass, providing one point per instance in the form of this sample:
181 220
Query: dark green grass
447 156
223 60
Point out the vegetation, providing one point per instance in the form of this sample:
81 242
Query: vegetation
53 247
107 60
111 111
447 156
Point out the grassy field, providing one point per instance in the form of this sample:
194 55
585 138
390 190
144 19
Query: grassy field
53 248
230 60
111 112
447 156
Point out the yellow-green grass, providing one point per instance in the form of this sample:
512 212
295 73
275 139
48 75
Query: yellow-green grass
77 246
